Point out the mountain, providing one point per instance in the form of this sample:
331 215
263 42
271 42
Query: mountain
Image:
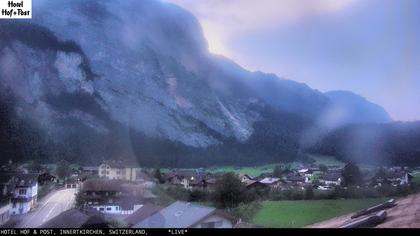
394 143
134 79
356 109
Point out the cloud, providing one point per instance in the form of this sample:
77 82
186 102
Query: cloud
223 19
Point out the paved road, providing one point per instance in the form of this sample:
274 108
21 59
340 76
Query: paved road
51 206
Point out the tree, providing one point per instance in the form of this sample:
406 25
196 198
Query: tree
323 168
278 171
351 175
158 175
309 193
35 166
229 192
63 169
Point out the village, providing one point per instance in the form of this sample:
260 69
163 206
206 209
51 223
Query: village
119 193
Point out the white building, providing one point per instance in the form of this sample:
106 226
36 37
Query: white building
25 194
119 170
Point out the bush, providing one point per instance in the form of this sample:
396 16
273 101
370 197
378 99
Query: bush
178 193
229 192
246 212
309 193
198 195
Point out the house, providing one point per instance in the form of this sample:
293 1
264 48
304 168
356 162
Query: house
399 177
245 177
189 178
332 179
5 208
114 196
296 179
25 193
271 182
90 170
72 182
142 213
118 169
187 215
77 218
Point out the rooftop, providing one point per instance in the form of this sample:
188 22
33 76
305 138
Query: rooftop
77 218
142 213
177 215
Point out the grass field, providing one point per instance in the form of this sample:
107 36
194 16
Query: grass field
257 170
327 160
254 170
291 214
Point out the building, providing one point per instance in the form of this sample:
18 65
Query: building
25 193
245 178
142 213
72 182
332 179
189 178
118 169
77 218
400 178
296 179
271 182
116 197
187 215
91 170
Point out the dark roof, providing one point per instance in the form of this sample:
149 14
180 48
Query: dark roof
396 174
142 213
128 202
26 180
77 218
295 178
186 174
102 185
331 176
90 168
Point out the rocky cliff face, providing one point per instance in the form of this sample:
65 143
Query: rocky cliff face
142 65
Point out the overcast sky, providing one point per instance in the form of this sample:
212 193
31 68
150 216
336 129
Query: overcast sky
371 47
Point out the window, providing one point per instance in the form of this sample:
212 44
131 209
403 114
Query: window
101 209
22 191
108 208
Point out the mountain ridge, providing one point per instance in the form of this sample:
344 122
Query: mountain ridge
147 75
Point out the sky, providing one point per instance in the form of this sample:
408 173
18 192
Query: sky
370 47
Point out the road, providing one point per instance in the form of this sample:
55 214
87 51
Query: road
51 206
406 214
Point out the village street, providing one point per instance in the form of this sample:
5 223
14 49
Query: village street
49 207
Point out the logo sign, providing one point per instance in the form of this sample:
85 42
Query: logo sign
18 9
